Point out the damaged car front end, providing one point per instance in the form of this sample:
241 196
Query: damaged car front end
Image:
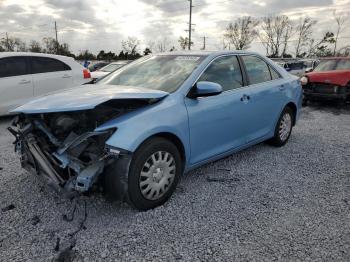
64 148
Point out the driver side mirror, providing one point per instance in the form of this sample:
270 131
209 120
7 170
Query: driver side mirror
205 88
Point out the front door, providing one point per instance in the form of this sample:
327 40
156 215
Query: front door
217 123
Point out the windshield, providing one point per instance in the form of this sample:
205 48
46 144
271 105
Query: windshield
330 65
162 72
112 67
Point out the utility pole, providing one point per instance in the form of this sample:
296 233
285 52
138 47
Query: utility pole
7 42
56 38
204 38
190 26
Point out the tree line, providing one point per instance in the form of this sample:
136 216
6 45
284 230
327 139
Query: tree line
279 35
282 37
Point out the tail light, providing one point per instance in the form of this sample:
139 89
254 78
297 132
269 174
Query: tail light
86 73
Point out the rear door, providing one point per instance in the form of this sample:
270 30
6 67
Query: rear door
50 75
16 85
265 97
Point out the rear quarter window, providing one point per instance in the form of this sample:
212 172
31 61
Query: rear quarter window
47 65
13 66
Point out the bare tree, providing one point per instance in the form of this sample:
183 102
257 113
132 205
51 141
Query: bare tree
50 45
183 41
321 48
273 33
21 46
9 44
162 45
130 45
303 33
242 32
340 20
289 30
151 45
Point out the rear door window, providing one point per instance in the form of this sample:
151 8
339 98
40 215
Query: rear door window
257 69
13 66
47 65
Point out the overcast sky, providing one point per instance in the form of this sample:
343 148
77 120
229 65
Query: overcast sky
102 24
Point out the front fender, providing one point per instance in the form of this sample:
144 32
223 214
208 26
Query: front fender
167 116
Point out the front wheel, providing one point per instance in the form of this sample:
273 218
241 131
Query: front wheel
283 128
154 173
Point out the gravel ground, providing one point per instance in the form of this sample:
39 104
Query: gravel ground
262 204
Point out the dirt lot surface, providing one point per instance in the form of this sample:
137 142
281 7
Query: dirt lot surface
262 204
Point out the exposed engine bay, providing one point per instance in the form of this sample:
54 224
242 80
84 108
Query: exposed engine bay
63 147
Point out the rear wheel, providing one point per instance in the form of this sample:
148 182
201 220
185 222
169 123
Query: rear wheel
154 173
283 128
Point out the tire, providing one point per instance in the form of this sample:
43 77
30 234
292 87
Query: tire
164 173
281 137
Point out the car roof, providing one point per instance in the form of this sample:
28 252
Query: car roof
9 54
208 53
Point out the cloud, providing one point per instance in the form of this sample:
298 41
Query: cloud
103 24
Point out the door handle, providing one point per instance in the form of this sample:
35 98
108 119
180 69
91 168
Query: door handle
245 98
282 87
22 82
66 76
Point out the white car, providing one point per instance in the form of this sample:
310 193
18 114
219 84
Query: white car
27 75
108 69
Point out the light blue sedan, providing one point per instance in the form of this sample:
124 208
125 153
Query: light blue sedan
140 128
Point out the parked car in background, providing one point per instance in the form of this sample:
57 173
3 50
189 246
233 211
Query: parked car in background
108 69
141 127
294 67
97 65
330 80
310 64
27 75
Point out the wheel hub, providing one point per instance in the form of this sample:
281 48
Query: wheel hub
157 175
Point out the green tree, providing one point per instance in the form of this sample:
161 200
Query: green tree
86 55
147 51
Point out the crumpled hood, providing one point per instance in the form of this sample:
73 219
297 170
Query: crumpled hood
86 97
336 77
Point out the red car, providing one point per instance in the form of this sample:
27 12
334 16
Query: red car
330 80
